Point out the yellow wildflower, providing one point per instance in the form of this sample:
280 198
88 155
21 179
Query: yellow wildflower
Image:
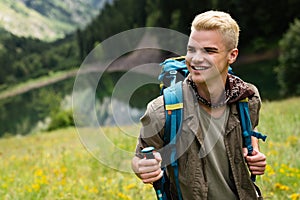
36 186
63 169
281 170
43 180
281 187
123 196
292 140
130 186
38 172
4 185
269 170
93 190
295 196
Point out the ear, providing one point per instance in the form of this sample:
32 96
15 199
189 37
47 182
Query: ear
232 55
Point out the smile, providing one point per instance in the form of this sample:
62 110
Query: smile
199 67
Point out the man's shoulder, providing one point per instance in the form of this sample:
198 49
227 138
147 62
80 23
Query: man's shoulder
155 114
156 104
256 95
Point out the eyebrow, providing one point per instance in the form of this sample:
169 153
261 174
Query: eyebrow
204 48
211 49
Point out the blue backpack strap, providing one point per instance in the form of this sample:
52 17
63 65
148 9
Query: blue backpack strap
174 111
247 128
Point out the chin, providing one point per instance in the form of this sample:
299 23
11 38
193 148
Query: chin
198 79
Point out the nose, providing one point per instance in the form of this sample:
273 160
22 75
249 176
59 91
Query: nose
198 57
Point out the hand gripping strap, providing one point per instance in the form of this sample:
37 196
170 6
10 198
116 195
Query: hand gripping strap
247 128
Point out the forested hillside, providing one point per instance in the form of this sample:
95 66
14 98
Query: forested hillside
263 24
47 19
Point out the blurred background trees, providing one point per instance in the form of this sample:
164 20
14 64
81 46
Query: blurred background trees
289 66
269 52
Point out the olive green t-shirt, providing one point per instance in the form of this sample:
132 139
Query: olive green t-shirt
220 186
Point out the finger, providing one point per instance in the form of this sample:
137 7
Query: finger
148 168
257 170
152 176
256 162
149 175
245 152
157 156
254 152
261 164
256 157
147 162
259 167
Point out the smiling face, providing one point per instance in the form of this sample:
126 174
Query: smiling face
208 57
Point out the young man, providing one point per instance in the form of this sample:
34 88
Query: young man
212 162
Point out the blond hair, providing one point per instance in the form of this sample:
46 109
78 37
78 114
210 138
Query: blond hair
220 21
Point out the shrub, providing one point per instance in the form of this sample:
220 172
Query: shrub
61 119
289 66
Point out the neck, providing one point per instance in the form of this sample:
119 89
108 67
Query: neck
212 92
217 100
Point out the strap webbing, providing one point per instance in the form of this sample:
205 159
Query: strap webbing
174 103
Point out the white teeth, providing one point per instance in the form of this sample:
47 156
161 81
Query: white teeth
199 68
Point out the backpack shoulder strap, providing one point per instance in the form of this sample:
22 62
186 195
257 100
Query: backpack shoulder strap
247 130
174 110
245 123
173 106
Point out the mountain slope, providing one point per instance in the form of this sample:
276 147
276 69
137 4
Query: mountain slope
47 19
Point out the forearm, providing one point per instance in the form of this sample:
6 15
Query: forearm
255 141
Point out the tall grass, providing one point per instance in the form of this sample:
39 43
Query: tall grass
280 120
55 165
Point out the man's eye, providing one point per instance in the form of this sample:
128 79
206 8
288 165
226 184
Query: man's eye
191 49
210 50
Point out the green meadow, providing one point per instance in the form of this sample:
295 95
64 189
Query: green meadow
56 165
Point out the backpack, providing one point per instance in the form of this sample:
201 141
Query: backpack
174 71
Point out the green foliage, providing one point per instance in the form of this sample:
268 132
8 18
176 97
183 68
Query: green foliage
106 84
120 16
14 49
262 75
25 58
61 119
289 67
20 114
261 23
13 116
175 14
47 102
